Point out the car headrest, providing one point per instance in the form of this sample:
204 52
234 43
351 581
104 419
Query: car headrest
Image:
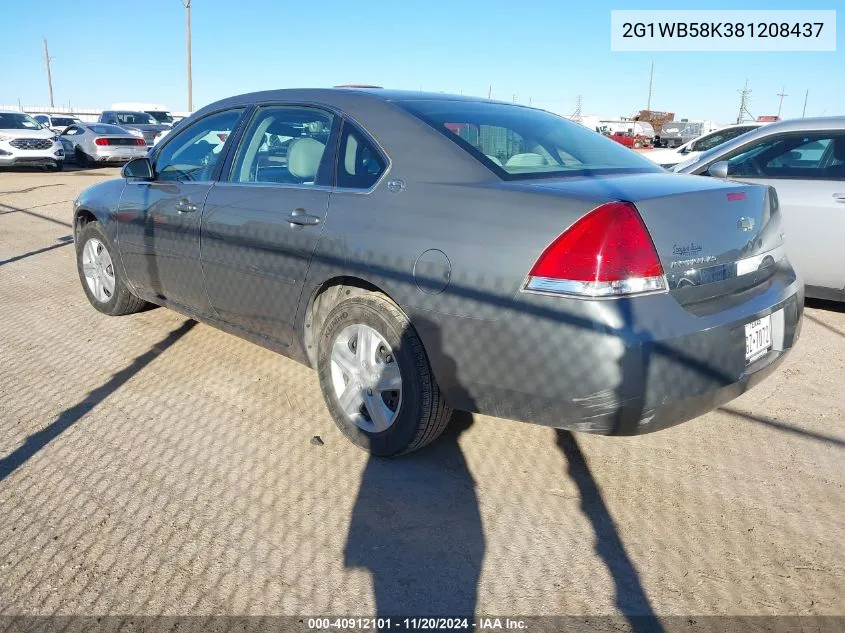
529 159
304 156
839 149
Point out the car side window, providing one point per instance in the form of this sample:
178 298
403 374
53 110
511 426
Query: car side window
41 119
819 155
194 152
284 145
359 164
71 131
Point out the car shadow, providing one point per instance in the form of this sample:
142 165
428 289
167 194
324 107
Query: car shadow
416 526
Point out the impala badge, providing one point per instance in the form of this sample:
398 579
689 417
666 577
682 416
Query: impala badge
745 224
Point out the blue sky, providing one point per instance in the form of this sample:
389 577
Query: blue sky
542 50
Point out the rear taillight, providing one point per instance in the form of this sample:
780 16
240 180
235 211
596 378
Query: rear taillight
607 253
101 141
140 141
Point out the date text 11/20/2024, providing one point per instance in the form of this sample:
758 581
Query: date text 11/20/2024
416 624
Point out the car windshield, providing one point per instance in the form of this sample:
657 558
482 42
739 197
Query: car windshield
18 121
105 128
135 118
717 138
160 116
711 153
518 142
63 121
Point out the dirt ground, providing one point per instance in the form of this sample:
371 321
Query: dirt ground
152 465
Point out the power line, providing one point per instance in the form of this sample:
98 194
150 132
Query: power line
804 111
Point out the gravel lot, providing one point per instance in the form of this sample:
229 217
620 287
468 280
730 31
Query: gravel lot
153 465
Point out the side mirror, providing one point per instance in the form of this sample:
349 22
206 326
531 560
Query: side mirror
717 170
139 169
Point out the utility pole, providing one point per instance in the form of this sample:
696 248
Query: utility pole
489 90
49 74
745 95
781 94
576 116
804 112
187 4
650 80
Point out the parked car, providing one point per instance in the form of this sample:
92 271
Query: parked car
804 160
426 252
139 124
629 139
56 122
158 111
25 142
670 157
94 143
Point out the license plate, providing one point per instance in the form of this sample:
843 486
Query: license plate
758 338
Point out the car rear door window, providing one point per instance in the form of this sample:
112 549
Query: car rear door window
194 152
359 163
818 155
285 145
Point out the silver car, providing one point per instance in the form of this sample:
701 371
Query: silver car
804 160
91 143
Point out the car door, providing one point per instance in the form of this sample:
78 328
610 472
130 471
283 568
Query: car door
807 169
263 220
159 220
68 139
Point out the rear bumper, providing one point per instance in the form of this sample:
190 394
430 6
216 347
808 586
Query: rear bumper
113 155
619 367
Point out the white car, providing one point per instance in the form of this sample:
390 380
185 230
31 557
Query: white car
57 122
25 142
671 157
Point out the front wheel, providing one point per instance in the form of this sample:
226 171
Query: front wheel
98 271
376 379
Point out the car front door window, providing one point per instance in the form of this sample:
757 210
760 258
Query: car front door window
790 156
193 154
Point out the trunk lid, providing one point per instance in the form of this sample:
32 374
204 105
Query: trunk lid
707 232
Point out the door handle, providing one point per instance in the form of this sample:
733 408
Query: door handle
839 197
300 218
186 206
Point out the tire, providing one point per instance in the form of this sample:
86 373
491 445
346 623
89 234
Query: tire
638 145
421 414
81 158
119 300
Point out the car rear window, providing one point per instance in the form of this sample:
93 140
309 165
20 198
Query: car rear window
518 142
105 128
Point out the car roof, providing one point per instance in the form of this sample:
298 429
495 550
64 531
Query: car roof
339 96
806 125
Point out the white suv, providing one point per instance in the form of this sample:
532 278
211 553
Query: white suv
25 142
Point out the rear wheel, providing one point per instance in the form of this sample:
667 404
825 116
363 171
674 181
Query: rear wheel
376 379
101 279
81 158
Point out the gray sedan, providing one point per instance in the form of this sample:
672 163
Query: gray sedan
94 143
804 160
426 253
